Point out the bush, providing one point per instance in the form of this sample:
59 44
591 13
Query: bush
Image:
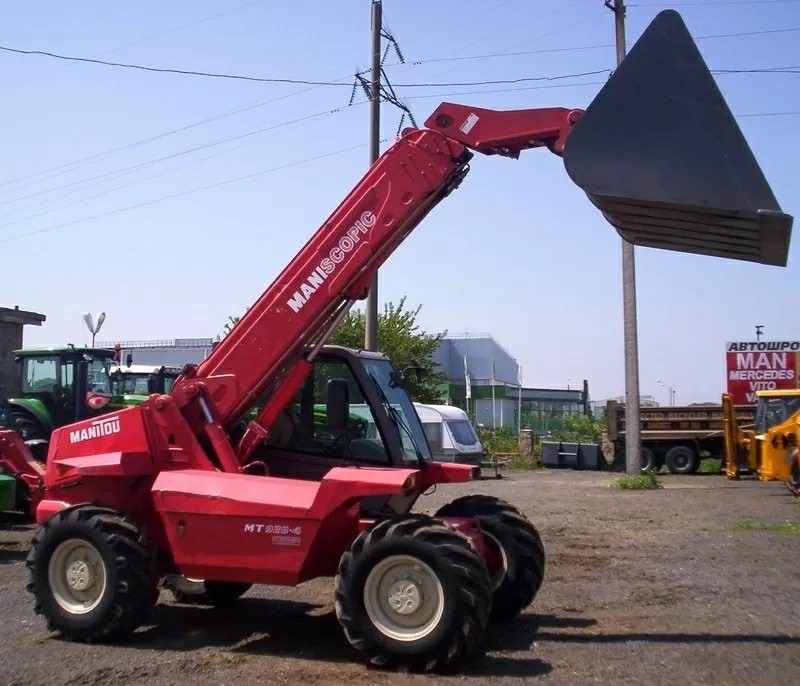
581 429
503 440
499 440
642 482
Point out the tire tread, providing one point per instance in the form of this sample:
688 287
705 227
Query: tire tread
471 597
526 576
136 588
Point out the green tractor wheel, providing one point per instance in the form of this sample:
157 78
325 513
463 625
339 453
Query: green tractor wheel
32 431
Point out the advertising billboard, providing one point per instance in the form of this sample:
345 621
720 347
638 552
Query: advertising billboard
760 366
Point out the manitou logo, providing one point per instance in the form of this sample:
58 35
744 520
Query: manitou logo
328 264
100 427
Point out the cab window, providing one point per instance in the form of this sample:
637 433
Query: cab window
303 426
40 374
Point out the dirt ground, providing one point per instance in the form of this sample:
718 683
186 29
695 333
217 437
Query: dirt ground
658 587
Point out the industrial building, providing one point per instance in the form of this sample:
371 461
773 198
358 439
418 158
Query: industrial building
495 393
495 396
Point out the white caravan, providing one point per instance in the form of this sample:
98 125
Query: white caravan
450 434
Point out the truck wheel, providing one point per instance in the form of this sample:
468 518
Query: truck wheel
648 458
413 593
91 575
681 459
519 547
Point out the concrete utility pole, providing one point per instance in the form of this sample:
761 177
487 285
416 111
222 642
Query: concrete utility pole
371 338
632 427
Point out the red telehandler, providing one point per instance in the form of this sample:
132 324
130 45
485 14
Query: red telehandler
184 484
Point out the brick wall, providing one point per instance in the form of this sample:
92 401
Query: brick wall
10 340
12 322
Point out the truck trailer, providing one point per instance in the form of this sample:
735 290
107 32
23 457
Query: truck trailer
675 436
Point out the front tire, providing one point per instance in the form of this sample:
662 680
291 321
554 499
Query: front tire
90 572
414 594
520 549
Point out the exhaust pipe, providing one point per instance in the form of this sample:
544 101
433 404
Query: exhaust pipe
660 154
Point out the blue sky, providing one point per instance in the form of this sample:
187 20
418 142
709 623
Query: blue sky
517 251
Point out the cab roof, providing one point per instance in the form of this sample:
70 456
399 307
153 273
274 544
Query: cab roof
443 412
65 350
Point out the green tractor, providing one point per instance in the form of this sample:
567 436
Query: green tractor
132 383
58 386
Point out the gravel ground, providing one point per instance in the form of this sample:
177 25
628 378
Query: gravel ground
641 586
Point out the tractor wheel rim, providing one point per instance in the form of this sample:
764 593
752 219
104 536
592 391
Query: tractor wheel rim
403 598
77 576
499 575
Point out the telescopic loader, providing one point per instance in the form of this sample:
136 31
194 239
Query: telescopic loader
181 484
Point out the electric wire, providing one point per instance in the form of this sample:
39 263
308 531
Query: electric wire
180 194
251 175
153 36
216 75
66 167
299 120
316 84
135 167
576 48
80 183
168 70
348 85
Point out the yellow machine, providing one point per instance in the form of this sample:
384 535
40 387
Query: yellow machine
769 447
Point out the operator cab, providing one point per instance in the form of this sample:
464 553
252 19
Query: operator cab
775 407
772 443
58 386
55 378
354 409
137 381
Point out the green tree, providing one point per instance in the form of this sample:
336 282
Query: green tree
400 339
582 429
403 342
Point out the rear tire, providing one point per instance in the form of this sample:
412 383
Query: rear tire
412 593
91 574
521 549
648 458
682 459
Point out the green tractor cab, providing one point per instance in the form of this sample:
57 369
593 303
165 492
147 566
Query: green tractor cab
131 384
59 386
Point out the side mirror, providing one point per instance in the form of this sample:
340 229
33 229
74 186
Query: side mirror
337 404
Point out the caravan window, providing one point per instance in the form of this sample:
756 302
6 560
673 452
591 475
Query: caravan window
463 432
433 432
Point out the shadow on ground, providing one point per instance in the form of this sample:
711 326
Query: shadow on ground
12 554
290 629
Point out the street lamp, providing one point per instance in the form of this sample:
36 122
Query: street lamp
671 392
94 328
